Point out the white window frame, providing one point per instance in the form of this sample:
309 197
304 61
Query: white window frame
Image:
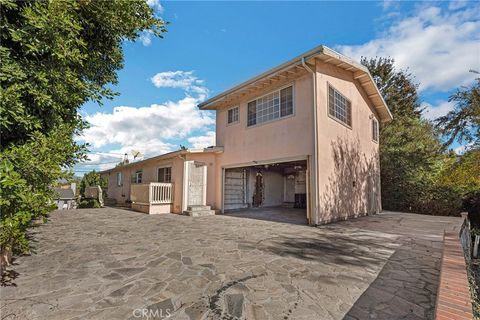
136 174
238 115
332 116
119 179
375 130
164 167
280 104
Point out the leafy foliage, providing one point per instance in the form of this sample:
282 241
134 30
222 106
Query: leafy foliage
56 55
89 203
463 123
414 164
92 179
27 173
398 87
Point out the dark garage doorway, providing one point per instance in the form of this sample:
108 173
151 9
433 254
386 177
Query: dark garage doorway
273 191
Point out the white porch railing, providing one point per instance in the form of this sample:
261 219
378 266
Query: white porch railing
152 193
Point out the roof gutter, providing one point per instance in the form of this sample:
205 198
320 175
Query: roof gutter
315 146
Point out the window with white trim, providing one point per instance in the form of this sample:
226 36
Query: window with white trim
119 179
339 107
165 174
232 115
375 130
275 105
137 176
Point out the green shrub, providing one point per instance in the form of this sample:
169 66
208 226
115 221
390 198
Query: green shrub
89 203
27 173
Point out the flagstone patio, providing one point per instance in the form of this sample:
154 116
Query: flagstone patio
117 264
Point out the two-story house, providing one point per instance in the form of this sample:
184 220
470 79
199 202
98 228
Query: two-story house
304 134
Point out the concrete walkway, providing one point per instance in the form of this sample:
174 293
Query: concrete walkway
117 264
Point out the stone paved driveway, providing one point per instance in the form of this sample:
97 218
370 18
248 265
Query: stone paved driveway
117 264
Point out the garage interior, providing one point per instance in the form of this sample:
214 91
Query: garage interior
274 191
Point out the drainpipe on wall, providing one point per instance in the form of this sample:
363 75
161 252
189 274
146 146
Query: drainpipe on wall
315 145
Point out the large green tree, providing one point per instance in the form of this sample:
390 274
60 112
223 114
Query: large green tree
463 122
56 55
411 152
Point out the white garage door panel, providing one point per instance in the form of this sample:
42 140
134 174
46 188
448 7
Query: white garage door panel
234 192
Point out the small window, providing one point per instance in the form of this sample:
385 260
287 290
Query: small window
339 107
119 179
137 177
233 115
165 174
275 105
375 130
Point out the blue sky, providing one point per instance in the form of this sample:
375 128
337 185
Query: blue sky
211 46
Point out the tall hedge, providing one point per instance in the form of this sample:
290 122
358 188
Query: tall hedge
56 55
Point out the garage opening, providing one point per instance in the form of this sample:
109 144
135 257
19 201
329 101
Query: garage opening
274 191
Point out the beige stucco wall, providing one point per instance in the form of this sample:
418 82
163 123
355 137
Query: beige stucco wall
289 137
345 155
122 193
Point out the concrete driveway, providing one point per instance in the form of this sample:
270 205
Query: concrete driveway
118 264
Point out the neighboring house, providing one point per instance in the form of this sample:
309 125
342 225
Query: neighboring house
304 134
66 198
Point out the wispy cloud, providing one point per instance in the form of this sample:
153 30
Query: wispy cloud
204 141
463 148
146 38
439 46
156 5
432 112
185 80
153 129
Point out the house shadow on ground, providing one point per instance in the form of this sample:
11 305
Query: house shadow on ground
399 275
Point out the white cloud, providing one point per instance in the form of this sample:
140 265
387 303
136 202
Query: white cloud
204 141
139 128
389 4
438 46
433 112
462 149
146 38
185 80
156 5
154 129
458 4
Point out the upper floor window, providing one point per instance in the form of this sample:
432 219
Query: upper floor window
232 116
165 174
119 179
137 176
339 107
272 106
375 130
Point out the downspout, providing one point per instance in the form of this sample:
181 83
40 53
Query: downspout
315 145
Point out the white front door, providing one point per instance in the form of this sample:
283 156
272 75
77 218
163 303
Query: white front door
195 186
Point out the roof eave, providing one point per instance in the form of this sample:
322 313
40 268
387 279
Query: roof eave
213 149
318 52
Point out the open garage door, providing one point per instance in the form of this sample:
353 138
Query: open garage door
235 189
268 191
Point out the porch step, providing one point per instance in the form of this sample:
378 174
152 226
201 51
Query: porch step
199 211
198 208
